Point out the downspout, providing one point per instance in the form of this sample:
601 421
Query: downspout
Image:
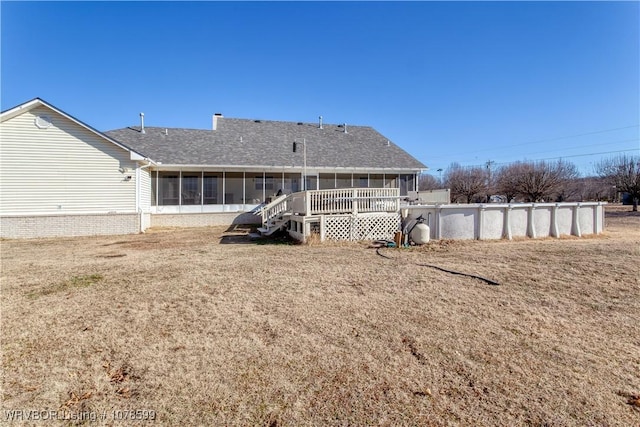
138 191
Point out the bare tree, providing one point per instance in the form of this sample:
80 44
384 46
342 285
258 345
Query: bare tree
537 181
465 183
506 181
544 181
570 190
592 188
624 172
428 182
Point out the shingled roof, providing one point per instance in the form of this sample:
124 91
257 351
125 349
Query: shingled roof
263 143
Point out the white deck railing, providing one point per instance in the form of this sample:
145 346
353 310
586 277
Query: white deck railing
346 200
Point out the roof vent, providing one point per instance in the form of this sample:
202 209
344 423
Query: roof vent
43 122
166 131
142 123
320 122
345 128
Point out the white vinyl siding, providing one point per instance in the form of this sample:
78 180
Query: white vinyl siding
61 169
145 190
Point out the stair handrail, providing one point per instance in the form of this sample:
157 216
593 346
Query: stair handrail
276 207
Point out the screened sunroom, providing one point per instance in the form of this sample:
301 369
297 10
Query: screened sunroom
188 190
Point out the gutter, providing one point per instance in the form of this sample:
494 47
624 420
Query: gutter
329 169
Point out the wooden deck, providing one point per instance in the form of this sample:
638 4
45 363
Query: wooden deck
341 214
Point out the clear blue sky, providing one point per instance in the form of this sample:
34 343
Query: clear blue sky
449 82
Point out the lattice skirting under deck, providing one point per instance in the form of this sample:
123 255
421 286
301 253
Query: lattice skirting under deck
370 226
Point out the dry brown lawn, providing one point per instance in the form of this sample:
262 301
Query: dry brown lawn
204 327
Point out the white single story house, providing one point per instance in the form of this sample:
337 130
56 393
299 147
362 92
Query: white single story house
61 177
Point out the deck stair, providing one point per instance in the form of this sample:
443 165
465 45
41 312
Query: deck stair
275 215
274 225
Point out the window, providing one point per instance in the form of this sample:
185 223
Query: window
391 181
343 180
311 182
327 181
376 181
407 183
210 189
268 183
168 188
190 189
234 190
292 183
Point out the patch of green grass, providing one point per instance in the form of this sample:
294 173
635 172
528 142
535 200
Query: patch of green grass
72 283
84 281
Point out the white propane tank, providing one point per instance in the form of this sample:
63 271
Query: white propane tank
420 234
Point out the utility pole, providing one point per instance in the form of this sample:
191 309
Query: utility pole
304 166
489 164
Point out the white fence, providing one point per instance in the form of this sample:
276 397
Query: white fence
506 221
430 197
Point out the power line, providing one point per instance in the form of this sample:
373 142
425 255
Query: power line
483 165
542 140
583 146
560 157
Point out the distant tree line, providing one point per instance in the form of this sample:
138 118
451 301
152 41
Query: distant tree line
540 181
